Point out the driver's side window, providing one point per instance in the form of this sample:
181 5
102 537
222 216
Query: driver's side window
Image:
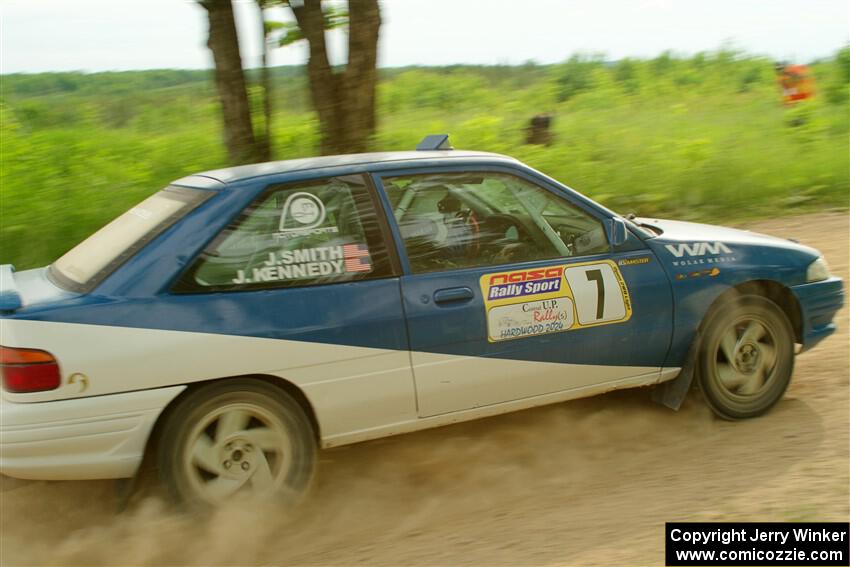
464 220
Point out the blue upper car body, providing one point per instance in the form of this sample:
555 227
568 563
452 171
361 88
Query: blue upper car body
671 284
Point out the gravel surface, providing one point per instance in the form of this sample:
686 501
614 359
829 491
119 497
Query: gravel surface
588 482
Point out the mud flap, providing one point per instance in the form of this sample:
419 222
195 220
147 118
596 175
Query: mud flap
673 392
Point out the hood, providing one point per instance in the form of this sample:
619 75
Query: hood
691 237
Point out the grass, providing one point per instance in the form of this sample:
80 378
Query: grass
705 138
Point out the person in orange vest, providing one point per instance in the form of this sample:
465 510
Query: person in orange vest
796 82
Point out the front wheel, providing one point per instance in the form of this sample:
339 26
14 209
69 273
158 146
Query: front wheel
233 439
746 357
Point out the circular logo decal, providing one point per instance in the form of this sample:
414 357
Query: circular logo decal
304 210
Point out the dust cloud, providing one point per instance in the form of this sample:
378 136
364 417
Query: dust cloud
369 496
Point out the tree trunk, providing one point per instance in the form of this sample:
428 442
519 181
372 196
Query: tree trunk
265 139
345 102
361 73
230 81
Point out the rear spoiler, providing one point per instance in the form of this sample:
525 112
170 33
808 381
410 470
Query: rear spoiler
10 299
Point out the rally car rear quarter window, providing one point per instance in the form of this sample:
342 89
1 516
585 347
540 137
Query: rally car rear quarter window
308 233
89 262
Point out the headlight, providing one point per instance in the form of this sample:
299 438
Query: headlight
817 271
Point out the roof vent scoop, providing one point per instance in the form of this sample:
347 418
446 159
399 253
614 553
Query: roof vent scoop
434 142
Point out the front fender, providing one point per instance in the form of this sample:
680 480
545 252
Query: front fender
698 280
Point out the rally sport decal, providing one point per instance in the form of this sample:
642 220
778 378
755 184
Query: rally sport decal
551 299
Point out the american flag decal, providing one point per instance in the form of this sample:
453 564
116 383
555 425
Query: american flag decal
356 258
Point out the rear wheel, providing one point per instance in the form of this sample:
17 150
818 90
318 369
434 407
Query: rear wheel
236 439
746 357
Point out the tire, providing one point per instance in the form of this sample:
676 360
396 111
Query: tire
236 439
746 357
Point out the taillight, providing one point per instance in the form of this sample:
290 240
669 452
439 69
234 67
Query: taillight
28 370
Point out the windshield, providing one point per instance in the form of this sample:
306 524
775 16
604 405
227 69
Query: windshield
85 265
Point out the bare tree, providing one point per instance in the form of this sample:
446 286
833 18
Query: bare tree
266 28
223 41
344 99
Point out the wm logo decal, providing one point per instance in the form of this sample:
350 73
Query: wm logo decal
698 249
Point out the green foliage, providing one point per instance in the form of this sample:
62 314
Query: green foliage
576 75
287 33
425 89
837 78
705 137
626 73
842 65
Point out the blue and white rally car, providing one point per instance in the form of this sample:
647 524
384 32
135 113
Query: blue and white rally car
239 319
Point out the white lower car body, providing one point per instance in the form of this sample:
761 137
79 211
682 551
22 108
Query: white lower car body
99 428
88 438
105 437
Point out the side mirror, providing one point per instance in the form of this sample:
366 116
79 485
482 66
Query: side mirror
617 231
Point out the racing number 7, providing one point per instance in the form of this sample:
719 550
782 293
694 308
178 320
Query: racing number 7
611 307
596 276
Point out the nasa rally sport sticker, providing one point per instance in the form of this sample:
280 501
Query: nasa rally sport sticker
552 299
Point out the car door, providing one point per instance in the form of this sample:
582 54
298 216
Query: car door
511 290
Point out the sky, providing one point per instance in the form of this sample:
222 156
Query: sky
103 35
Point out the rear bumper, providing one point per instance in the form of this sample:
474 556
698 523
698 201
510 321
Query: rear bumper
819 302
86 438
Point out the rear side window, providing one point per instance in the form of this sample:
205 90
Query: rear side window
320 232
89 262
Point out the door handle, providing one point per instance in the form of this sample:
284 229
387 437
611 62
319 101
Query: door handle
452 294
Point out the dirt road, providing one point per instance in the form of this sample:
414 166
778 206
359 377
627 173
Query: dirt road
588 482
